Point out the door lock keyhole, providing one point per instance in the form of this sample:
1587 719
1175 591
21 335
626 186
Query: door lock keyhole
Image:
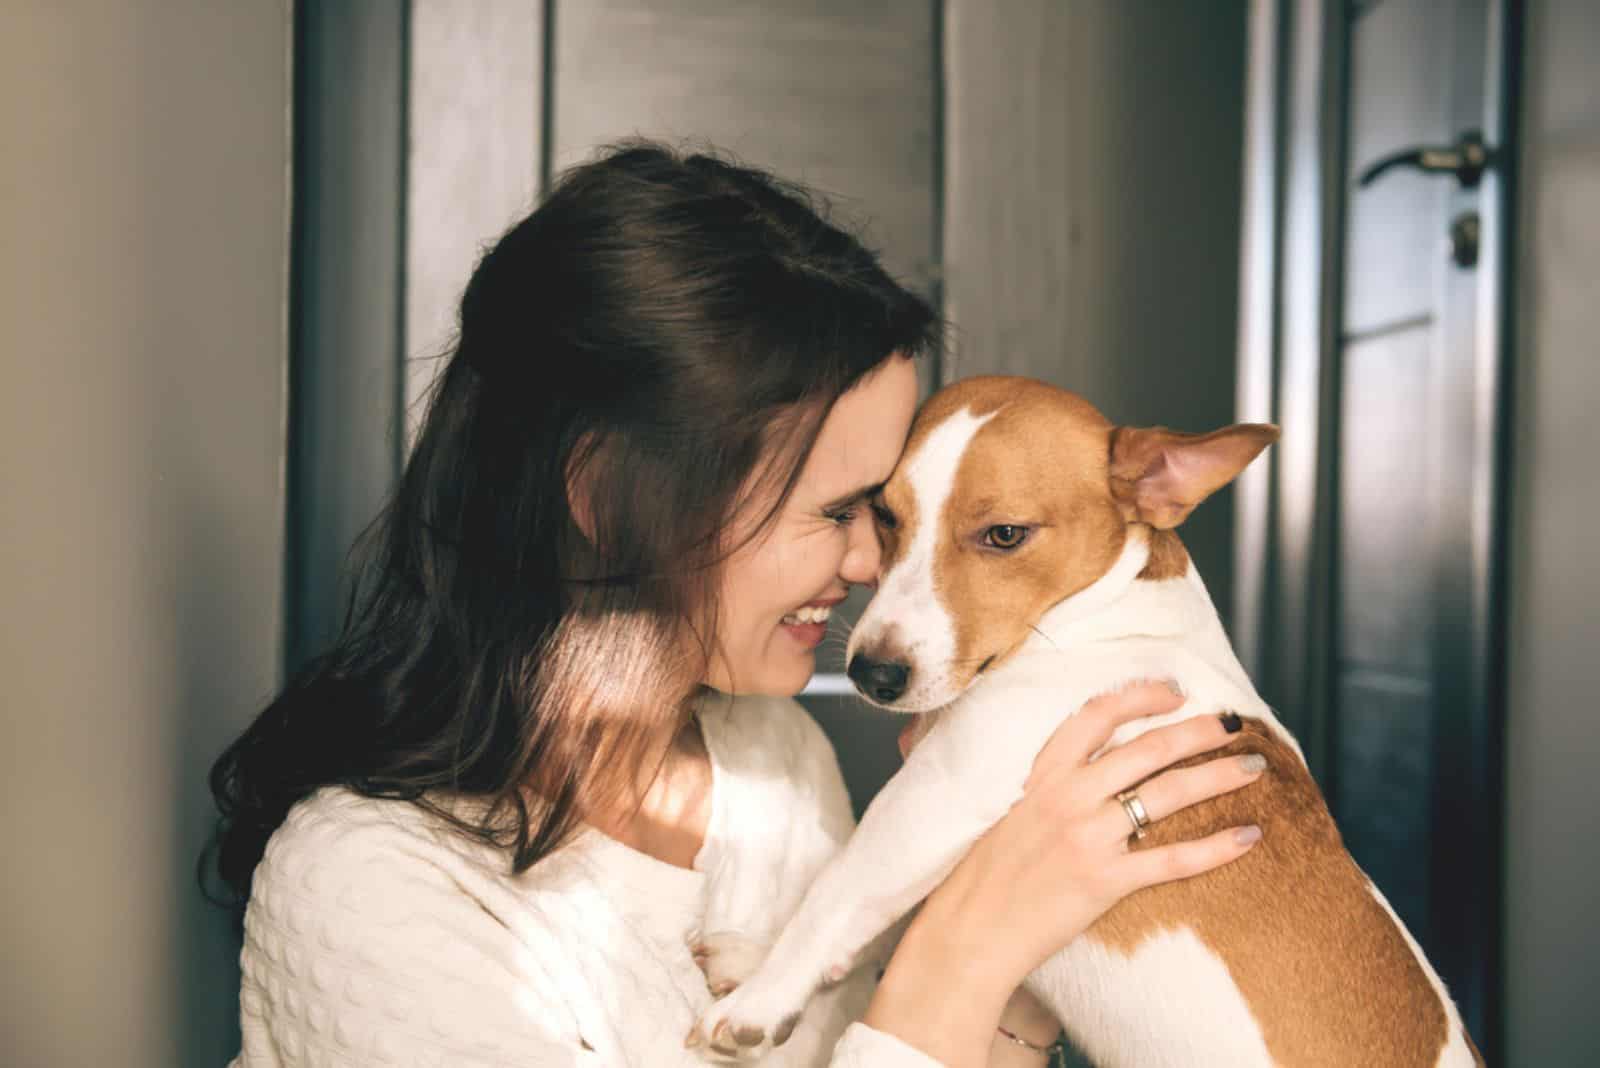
1464 235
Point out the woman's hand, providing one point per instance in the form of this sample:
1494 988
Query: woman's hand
1060 858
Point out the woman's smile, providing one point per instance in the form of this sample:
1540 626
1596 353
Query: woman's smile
808 624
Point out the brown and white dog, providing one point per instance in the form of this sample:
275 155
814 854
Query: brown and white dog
1031 563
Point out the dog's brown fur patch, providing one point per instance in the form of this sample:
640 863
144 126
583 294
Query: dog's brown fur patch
1040 462
1327 974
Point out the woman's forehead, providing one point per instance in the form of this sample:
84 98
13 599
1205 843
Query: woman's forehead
864 432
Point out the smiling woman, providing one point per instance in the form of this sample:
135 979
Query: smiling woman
636 483
489 822
660 344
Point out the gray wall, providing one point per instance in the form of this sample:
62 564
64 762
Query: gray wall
475 111
1553 728
144 214
840 96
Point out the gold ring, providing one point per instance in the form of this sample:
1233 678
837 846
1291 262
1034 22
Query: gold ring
1136 812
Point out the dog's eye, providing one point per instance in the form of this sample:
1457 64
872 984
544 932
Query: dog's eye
1005 536
885 516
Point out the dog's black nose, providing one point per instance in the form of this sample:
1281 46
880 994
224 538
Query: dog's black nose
881 680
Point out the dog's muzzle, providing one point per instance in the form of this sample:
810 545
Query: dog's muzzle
881 680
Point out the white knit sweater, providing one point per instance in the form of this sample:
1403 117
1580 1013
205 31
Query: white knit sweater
375 935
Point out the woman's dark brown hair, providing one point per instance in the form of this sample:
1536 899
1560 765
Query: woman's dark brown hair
639 343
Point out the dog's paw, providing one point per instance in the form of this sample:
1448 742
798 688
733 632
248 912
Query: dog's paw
750 1018
727 958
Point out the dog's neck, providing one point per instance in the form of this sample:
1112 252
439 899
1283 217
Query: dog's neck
1121 605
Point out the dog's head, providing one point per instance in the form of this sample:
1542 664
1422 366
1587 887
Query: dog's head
1011 497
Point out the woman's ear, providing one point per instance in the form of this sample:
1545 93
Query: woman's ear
579 483
1158 476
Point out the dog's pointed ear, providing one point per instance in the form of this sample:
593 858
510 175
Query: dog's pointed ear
1158 476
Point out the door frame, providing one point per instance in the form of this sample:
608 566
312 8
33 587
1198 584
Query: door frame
1285 563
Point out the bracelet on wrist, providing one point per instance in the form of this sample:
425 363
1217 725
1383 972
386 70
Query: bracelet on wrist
1048 1051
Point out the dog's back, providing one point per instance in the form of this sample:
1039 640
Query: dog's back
1288 956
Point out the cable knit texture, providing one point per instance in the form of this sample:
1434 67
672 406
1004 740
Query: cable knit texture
376 935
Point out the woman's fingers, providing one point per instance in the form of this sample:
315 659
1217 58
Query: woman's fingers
1181 860
1059 858
1182 787
1082 734
1147 754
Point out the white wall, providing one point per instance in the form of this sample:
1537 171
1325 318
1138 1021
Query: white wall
1553 713
143 257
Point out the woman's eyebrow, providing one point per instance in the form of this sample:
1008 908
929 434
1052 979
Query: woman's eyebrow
852 497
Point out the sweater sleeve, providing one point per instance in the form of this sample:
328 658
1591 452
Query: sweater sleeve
360 950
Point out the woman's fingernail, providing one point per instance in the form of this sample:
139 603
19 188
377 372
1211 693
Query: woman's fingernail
1247 835
1230 722
1174 687
1253 763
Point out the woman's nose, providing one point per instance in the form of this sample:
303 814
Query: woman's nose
864 555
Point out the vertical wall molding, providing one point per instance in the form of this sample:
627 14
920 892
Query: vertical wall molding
347 277
1260 250
1289 293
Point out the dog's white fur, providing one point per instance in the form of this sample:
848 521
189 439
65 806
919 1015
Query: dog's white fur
906 596
1171 1002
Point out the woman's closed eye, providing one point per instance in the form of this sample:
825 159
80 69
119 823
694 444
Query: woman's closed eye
842 516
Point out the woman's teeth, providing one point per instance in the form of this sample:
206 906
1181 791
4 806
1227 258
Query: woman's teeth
809 614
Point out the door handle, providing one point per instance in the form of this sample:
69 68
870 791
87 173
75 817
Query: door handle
1467 159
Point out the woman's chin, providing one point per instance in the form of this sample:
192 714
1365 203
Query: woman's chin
781 679
787 683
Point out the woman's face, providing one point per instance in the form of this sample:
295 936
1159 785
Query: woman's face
775 591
